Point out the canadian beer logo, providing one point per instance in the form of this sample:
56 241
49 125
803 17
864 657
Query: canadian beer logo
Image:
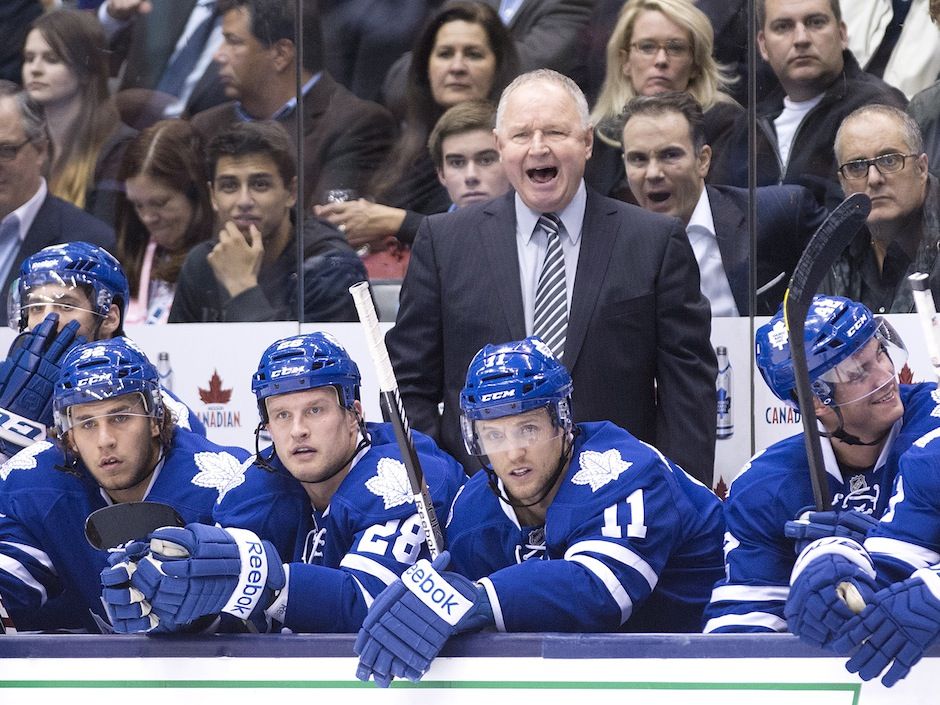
215 415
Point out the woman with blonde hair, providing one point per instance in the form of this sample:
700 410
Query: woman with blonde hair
657 46
65 69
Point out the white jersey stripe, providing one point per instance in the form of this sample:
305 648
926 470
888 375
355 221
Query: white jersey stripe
619 553
356 561
750 593
614 586
916 556
18 571
751 619
494 603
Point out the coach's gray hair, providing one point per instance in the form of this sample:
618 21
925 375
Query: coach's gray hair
909 129
32 114
549 76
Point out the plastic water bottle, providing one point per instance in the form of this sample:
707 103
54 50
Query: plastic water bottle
725 425
165 371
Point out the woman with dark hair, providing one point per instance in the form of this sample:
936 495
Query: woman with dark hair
463 53
166 211
65 69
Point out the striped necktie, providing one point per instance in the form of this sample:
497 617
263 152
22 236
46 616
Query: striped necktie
550 316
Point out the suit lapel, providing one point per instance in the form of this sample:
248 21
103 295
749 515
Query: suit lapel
598 235
729 223
498 237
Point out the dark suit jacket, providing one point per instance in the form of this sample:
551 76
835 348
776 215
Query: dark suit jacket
787 217
148 44
638 336
345 138
56 222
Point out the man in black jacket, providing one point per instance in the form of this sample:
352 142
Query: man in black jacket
804 41
248 273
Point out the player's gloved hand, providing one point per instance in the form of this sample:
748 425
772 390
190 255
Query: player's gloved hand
810 525
816 609
126 606
899 624
197 571
409 623
27 378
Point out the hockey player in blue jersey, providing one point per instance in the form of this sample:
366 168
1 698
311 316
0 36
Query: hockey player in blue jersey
868 419
117 443
572 527
331 496
65 294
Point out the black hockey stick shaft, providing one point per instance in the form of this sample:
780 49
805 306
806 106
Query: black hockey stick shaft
395 410
117 524
832 237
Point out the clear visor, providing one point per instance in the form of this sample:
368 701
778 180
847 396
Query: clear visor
506 433
32 300
137 403
868 371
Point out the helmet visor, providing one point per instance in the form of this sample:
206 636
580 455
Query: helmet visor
47 292
870 369
502 434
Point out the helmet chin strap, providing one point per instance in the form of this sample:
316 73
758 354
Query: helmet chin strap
848 438
563 459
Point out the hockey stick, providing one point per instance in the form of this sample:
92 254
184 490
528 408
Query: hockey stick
117 524
927 313
822 251
393 407
6 622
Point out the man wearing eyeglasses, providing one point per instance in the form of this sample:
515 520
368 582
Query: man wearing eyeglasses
880 153
30 217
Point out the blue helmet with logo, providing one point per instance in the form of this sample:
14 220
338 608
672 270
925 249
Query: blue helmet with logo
513 378
836 329
305 361
71 265
101 370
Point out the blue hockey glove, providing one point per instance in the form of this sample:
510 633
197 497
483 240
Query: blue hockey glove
27 378
811 525
409 623
900 623
201 570
816 610
128 610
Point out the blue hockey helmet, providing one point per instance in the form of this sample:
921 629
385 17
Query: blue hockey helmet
101 370
837 329
510 379
71 265
305 361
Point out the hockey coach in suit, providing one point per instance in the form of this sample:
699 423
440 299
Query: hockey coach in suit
633 327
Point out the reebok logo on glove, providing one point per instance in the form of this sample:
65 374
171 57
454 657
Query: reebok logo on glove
435 592
253 577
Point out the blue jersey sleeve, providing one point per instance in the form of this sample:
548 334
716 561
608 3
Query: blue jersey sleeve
908 536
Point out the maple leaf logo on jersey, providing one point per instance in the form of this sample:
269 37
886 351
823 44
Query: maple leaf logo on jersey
597 469
215 394
391 483
219 471
24 460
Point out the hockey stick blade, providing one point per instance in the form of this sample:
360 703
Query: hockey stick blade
820 254
395 410
117 524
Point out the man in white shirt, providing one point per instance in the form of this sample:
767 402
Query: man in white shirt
666 162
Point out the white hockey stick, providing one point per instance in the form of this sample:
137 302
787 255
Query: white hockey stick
393 407
6 623
927 313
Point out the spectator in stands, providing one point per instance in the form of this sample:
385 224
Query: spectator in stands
881 154
249 272
820 83
547 34
666 156
463 149
165 213
925 109
463 53
30 217
15 18
164 49
657 46
345 138
65 69
894 40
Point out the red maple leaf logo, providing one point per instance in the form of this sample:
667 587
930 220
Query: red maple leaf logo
906 375
215 394
721 489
